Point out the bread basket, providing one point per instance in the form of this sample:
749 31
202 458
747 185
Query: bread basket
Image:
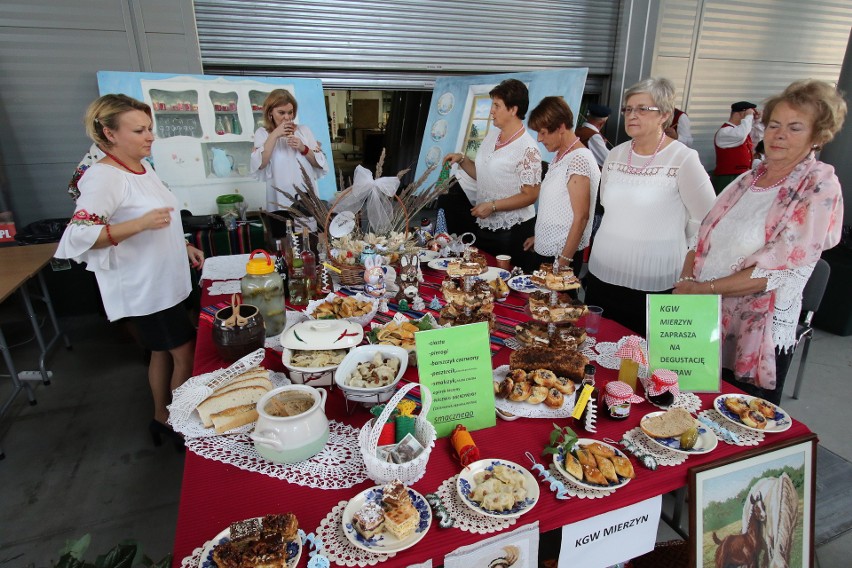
368 440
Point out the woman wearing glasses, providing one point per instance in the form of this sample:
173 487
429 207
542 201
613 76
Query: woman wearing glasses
655 193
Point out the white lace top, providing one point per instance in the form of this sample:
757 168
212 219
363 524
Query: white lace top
501 173
555 215
650 217
739 234
283 169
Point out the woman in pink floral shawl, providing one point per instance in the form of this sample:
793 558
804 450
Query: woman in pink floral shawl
761 240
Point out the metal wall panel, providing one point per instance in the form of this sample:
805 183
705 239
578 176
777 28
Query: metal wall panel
64 14
407 41
747 50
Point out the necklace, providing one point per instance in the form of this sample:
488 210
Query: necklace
500 144
123 165
635 170
562 154
761 171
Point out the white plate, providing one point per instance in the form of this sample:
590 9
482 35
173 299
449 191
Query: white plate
385 542
294 550
522 283
439 264
559 462
426 255
465 485
493 273
780 423
706 439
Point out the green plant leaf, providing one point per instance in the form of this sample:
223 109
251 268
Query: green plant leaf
68 561
77 548
121 556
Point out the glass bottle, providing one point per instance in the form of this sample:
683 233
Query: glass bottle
288 243
296 283
220 127
309 262
263 288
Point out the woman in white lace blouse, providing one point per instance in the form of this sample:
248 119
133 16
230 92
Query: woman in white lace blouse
655 193
759 244
282 149
507 173
567 199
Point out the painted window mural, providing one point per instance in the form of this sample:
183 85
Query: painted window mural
478 125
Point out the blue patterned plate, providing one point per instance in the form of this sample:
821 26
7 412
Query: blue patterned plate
493 273
706 439
466 483
522 283
426 255
439 264
385 542
294 550
780 423
559 462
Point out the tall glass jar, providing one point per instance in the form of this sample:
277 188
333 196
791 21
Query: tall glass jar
263 287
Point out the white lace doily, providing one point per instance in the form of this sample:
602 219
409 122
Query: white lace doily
575 490
225 267
531 410
466 518
687 400
338 466
186 398
662 455
226 287
745 436
338 549
587 348
606 355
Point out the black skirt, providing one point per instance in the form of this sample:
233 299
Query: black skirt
165 329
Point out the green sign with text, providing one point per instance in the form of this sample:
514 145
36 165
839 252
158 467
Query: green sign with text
455 364
684 336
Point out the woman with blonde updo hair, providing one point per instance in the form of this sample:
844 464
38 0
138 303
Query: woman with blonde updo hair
759 243
282 149
127 229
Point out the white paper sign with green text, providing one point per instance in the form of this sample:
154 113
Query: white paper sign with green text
684 336
455 364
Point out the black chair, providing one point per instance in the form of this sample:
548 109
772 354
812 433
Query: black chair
811 299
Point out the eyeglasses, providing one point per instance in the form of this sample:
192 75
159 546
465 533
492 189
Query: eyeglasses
640 110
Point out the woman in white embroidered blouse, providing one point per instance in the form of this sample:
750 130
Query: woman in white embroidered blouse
563 226
507 173
655 193
283 148
761 240
127 229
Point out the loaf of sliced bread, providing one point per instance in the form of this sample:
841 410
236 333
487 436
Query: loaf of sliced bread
234 417
669 424
256 380
231 399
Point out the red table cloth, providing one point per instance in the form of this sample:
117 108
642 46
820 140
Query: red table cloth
216 494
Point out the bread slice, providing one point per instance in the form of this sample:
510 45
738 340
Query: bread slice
231 399
234 417
252 381
669 424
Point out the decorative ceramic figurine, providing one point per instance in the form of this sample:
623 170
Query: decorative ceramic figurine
418 305
435 304
374 276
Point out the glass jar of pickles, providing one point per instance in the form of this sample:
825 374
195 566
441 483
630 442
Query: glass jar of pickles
263 288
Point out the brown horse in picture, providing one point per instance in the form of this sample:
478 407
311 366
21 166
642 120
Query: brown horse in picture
743 549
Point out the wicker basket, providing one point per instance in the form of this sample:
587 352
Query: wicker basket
353 274
368 440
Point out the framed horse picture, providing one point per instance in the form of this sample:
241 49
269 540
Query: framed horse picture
757 509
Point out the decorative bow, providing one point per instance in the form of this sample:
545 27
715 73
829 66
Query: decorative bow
374 193
632 349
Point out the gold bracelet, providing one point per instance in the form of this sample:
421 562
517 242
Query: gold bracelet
493 206
713 286
461 161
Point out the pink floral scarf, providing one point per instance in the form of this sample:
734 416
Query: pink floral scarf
805 219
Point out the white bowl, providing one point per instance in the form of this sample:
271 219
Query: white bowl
363 354
313 376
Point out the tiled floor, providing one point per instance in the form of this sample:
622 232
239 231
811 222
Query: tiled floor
81 460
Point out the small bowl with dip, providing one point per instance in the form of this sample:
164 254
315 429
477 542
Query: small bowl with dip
291 425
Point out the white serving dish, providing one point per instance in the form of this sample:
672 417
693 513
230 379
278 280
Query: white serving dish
363 354
361 320
315 335
465 485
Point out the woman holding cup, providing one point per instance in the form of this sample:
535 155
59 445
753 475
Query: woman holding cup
282 149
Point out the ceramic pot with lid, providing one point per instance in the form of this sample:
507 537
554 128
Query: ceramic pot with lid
237 340
316 335
291 425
